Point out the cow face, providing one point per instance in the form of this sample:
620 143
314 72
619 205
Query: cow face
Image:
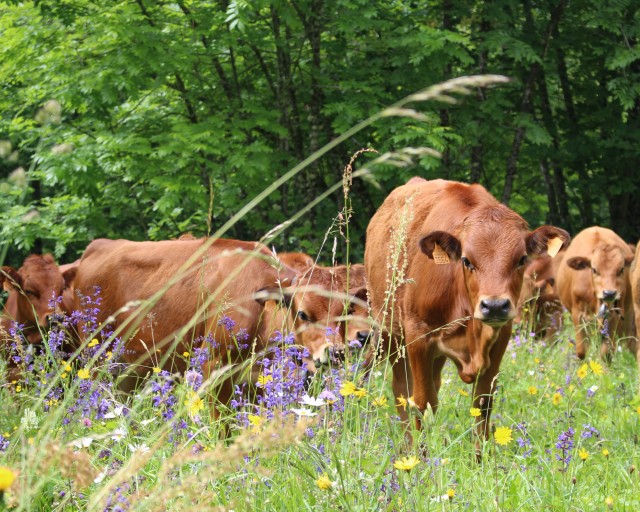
539 279
492 252
31 289
609 268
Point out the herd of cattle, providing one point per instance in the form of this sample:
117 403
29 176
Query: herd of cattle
447 269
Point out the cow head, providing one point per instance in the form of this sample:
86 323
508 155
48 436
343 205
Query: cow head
539 279
609 268
319 307
31 289
491 247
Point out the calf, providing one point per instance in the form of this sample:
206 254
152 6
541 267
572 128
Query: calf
594 280
189 289
539 304
445 263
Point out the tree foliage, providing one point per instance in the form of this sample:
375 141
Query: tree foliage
145 119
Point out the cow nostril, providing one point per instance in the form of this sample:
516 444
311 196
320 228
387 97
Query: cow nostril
609 294
551 281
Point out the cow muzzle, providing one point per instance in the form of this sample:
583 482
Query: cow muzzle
609 295
495 311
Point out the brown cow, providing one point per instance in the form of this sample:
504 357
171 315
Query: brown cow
634 343
187 288
539 305
323 313
594 279
444 263
31 289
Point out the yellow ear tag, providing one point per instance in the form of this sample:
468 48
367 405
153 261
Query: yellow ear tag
553 246
440 257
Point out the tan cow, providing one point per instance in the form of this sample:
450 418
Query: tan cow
444 263
594 280
539 306
188 289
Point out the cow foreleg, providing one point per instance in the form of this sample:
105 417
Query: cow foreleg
425 392
485 387
580 327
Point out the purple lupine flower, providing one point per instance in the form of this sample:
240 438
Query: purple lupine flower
565 445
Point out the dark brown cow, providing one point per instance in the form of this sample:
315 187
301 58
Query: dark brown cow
31 289
594 280
445 263
187 287
539 305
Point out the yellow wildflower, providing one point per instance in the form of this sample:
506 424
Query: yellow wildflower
156 369
596 367
557 399
406 463
256 422
463 392
537 360
451 493
7 477
638 409
83 374
380 401
93 342
605 452
532 390
402 402
502 435
324 483
360 392
186 354
64 375
475 412
584 454
348 388
67 367
582 371
18 388
263 379
194 403
609 502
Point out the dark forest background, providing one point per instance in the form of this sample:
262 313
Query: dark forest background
146 119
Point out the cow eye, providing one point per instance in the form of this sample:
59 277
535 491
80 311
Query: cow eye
31 293
303 316
594 271
523 261
620 271
467 263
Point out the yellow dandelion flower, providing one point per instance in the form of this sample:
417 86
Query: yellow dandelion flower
475 412
380 401
64 375
185 354
156 369
596 367
502 435
537 360
638 409
584 454
582 371
7 477
83 374
93 342
463 392
406 463
532 390
109 355
255 422
605 452
194 403
324 482
263 379
557 399
402 402
348 388
360 392
67 367
451 493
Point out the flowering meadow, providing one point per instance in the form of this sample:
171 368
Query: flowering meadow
564 433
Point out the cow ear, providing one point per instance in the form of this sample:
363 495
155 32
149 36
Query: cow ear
548 239
10 279
579 263
628 260
281 295
69 275
439 242
358 297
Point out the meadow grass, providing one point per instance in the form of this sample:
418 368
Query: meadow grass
574 446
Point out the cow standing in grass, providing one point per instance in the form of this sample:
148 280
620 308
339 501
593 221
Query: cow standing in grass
593 280
444 263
